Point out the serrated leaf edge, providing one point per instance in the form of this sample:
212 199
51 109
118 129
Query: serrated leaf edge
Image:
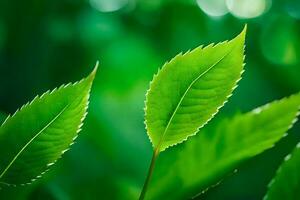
286 158
48 92
215 184
212 45
257 111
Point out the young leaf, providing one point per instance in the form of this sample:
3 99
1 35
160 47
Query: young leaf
217 151
189 90
41 131
286 183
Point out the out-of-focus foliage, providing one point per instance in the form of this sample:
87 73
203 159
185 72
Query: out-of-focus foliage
218 150
34 137
286 183
46 43
190 89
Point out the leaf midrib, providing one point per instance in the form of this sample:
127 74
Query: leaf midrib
32 139
183 96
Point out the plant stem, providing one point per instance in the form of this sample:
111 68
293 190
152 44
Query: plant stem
150 172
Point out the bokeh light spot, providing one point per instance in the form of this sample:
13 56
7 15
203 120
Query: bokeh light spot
214 8
279 44
247 8
108 5
293 8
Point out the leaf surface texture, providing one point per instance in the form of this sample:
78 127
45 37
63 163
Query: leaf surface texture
189 90
41 131
219 148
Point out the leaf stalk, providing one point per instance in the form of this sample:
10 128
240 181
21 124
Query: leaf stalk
150 173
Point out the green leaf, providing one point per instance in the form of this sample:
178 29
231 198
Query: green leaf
217 150
41 131
189 90
286 183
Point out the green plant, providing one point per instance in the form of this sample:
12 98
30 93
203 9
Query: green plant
286 183
188 91
38 134
218 149
183 97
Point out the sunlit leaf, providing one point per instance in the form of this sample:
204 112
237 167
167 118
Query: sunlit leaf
189 90
41 131
217 150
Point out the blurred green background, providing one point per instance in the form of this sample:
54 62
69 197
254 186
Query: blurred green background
44 44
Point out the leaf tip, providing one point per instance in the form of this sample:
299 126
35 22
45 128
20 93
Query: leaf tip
95 68
245 28
243 33
240 38
92 75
